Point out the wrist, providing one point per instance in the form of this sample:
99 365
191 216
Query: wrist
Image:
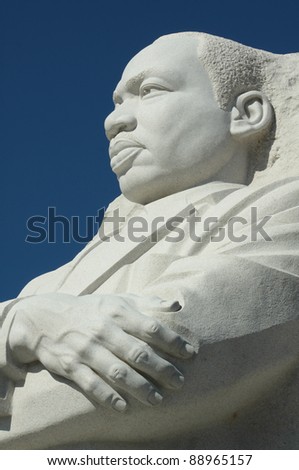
21 338
9 365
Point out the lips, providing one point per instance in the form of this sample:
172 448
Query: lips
122 153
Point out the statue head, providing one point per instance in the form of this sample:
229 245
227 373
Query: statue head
189 109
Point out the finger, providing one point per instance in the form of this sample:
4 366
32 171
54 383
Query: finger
68 365
97 389
156 334
153 303
144 359
121 375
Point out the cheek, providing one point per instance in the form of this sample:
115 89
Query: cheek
161 119
177 128
203 131
155 126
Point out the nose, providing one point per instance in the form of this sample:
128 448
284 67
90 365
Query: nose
119 121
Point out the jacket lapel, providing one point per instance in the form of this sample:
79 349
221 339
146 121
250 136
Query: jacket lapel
105 258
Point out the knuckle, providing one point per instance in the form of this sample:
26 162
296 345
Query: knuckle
118 373
69 363
84 347
122 310
117 315
101 331
139 355
153 328
91 384
117 308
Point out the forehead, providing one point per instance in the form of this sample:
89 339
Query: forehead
172 58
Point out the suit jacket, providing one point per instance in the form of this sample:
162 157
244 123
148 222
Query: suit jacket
231 282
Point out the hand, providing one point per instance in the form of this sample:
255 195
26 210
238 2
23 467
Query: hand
100 342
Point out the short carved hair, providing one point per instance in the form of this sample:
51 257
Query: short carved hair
232 67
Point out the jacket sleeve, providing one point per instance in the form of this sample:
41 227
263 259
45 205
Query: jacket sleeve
10 372
242 284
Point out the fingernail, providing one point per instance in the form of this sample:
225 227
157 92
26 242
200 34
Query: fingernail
155 398
177 380
119 404
187 350
173 306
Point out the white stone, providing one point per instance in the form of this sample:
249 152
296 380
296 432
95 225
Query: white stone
203 127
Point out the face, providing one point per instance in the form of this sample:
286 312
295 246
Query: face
167 132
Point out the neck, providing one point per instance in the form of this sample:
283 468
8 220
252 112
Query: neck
236 170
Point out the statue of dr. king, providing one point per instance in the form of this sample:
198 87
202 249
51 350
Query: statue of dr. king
177 328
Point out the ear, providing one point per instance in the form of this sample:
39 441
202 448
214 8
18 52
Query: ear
251 114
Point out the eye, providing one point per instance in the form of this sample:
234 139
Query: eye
150 89
146 90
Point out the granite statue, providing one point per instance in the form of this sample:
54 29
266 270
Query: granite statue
177 327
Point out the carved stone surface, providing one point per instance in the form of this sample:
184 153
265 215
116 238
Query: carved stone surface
177 325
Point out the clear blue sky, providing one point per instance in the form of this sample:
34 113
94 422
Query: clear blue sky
60 60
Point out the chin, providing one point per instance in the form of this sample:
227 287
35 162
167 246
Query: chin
137 187
140 193
143 187
139 196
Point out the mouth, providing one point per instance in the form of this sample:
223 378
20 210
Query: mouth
122 154
123 160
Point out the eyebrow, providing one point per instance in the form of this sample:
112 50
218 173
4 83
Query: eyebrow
131 84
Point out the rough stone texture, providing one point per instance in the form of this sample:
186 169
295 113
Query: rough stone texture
282 87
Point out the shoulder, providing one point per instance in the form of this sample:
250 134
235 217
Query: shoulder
45 283
269 199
